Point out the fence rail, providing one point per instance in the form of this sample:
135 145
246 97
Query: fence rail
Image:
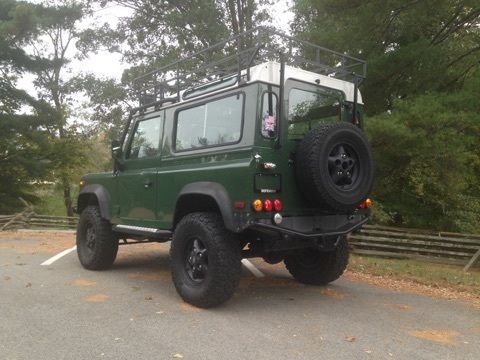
31 220
444 247
377 240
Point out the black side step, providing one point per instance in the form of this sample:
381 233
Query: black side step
143 231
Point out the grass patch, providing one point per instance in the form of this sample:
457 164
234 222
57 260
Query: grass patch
437 275
51 200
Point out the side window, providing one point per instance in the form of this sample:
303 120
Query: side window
306 109
146 139
215 123
269 115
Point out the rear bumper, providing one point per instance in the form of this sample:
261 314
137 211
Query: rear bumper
313 227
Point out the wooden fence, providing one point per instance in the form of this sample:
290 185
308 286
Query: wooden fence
444 247
31 220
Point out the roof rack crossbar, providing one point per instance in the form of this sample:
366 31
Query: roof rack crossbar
239 53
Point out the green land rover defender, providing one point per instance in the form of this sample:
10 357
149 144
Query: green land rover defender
250 148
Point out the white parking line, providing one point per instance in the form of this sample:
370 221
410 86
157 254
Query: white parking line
58 256
252 268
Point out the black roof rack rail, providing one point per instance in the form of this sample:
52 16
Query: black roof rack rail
235 56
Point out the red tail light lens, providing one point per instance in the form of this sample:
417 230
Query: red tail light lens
277 205
267 205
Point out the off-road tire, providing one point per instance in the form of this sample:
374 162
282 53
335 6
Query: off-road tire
101 253
313 172
224 260
321 267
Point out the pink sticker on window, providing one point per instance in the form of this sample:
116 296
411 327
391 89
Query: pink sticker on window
269 123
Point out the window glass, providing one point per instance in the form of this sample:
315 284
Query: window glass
269 115
146 139
215 123
306 109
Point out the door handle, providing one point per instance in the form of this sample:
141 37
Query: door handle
147 183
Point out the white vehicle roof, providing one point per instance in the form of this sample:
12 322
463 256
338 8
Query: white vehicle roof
269 72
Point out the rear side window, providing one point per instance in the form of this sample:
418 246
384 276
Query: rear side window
146 139
215 123
307 108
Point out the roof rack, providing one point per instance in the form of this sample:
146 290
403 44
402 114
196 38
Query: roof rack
235 56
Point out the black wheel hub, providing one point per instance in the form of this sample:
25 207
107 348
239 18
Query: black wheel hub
196 262
90 237
343 166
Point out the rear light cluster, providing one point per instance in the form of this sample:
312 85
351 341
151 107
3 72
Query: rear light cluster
267 205
367 204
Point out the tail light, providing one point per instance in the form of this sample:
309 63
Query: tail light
257 205
267 205
367 204
277 205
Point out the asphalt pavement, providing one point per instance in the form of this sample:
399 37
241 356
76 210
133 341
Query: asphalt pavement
62 311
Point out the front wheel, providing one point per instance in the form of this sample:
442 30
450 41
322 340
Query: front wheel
314 267
97 247
206 260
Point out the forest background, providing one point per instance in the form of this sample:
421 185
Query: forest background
421 93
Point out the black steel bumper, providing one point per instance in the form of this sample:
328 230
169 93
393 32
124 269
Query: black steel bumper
311 227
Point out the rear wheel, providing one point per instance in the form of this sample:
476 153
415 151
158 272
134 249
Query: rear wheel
97 247
313 267
206 260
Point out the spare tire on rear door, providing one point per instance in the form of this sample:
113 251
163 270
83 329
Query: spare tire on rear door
334 166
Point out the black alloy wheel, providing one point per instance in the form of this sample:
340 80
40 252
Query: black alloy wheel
97 246
343 166
205 260
196 260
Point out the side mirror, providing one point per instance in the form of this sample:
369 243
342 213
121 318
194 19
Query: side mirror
116 155
116 148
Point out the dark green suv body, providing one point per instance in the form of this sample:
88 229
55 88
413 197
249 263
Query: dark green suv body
267 162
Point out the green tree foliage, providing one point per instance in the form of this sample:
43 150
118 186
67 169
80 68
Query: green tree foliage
421 94
24 140
161 32
57 31
42 137
412 46
427 159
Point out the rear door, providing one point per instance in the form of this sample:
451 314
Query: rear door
136 182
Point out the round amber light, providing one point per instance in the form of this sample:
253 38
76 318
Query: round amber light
257 205
368 203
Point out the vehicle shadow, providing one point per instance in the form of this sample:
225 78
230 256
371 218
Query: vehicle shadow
277 288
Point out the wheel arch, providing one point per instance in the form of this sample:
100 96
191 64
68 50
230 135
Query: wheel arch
94 194
204 196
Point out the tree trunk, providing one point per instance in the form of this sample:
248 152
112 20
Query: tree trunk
67 197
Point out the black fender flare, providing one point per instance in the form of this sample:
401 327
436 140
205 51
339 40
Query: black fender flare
100 193
213 190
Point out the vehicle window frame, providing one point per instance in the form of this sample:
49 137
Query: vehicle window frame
204 102
264 92
132 134
343 95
